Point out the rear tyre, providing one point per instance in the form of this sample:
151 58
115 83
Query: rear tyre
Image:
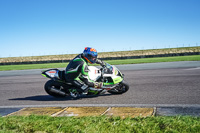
122 88
55 85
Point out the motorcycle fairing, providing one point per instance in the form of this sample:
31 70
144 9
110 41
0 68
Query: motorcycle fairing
51 73
113 80
94 73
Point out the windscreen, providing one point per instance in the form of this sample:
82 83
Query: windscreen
109 69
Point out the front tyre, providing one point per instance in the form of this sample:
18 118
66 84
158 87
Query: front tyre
54 89
120 89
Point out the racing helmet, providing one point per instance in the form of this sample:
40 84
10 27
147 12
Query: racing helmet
90 54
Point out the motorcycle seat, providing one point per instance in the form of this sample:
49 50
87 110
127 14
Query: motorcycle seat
61 75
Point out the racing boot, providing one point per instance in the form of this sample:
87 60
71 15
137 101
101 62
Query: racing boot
84 89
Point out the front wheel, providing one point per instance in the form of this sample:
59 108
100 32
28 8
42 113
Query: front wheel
120 89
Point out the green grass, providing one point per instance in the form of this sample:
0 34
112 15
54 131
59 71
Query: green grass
154 60
103 54
101 124
32 66
113 62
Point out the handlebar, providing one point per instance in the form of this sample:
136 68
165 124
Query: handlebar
102 72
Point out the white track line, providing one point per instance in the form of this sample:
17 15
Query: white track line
104 105
196 68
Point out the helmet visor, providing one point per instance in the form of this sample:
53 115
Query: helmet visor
92 58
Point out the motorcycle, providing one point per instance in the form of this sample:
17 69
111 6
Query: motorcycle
112 78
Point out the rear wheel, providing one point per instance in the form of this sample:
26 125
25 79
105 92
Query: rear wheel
54 89
122 88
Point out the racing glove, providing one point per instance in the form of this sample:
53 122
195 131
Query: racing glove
98 61
98 85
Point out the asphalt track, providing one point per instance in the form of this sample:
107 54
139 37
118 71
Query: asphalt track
172 84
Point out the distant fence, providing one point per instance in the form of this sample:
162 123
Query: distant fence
106 58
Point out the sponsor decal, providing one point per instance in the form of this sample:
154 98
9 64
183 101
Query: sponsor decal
52 72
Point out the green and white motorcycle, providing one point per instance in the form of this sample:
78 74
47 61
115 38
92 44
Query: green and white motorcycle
112 78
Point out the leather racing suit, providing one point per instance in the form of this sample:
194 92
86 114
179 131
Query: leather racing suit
77 73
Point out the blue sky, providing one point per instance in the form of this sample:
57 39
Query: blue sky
48 27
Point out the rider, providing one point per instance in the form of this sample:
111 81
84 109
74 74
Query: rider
77 71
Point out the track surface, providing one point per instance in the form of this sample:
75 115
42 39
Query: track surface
174 83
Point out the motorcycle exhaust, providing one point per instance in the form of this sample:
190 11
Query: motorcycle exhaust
58 91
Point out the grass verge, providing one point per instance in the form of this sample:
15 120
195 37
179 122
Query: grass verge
113 62
101 124
62 57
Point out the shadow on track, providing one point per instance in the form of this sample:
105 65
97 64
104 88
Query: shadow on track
50 98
